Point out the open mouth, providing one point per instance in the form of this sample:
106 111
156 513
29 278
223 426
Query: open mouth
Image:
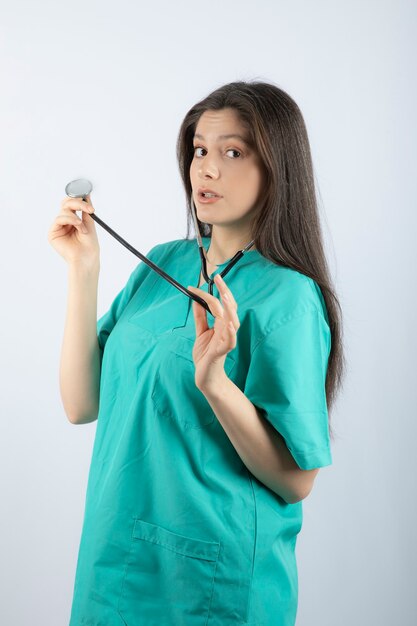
207 194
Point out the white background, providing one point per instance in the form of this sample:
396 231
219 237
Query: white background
99 90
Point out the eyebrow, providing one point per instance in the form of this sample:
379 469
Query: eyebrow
198 136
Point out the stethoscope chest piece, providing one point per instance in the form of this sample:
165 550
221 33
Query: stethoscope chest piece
79 188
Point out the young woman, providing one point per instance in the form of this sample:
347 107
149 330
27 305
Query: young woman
211 427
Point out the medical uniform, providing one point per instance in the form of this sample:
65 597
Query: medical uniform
177 531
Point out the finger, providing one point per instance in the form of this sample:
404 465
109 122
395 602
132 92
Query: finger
87 200
200 318
200 313
224 289
73 220
229 316
231 311
228 301
69 205
228 337
213 302
232 334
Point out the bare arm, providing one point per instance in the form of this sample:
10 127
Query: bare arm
259 445
80 357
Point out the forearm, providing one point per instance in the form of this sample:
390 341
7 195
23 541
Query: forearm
259 445
80 362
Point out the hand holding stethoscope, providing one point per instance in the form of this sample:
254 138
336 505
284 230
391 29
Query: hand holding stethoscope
61 231
213 344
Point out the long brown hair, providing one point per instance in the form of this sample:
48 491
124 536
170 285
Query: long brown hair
286 229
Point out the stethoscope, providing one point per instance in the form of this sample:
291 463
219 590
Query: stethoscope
81 187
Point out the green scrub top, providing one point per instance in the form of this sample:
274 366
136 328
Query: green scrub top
177 531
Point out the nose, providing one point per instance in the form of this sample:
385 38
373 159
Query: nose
208 168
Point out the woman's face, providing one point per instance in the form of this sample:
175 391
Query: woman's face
227 166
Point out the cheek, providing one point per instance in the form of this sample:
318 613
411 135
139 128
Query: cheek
250 182
256 178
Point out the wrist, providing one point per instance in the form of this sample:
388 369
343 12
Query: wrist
215 385
89 269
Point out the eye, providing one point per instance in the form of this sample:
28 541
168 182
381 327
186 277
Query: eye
230 150
233 150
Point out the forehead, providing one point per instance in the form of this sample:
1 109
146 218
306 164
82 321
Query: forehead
217 124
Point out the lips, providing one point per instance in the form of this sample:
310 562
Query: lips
203 190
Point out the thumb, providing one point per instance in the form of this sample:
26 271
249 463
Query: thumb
200 315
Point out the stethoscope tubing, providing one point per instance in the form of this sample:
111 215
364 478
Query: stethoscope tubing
145 259
203 253
227 269
86 189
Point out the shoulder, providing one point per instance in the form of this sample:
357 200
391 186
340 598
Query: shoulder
161 250
284 295
294 292
170 246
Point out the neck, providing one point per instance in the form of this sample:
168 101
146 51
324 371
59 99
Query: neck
224 245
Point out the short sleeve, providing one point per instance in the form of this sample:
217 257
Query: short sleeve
106 322
286 381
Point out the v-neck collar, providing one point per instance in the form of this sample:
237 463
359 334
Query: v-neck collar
186 268
248 257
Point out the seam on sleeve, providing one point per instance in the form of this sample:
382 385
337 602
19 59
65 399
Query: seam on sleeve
313 457
288 318
285 413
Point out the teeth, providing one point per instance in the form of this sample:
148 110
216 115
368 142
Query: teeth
209 195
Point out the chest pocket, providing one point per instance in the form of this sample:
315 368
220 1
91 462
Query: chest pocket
174 393
159 308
